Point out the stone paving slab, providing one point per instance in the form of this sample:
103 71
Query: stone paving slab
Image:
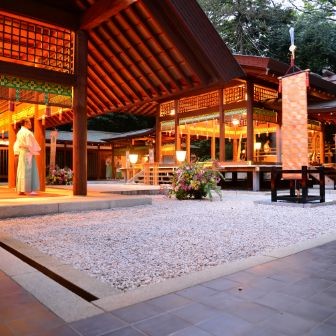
58 299
292 295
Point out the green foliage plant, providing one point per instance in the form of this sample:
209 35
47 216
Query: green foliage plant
194 181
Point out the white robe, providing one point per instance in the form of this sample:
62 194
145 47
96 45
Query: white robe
26 146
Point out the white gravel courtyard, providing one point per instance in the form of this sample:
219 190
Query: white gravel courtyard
138 246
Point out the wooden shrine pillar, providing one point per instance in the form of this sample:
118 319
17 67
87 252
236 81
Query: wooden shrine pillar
278 143
221 126
322 144
177 133
158 137
250 132
80 116
99 168
11 157
188 143
39 133
213 142
235 144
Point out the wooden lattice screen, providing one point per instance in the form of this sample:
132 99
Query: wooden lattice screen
36 44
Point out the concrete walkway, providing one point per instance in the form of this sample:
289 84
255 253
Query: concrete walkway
295 295
58 199
287 292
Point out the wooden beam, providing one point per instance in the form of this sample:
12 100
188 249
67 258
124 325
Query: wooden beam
42 12
101 11
28 72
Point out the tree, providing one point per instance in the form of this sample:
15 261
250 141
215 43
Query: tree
247 26
328 7
120 122
316 42
261 27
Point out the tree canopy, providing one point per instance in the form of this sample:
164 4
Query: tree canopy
260 27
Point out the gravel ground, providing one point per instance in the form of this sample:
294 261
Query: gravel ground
137 246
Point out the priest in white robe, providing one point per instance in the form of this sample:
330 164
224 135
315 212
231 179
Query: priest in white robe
26 147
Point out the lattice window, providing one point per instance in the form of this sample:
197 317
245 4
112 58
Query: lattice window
59 100
264 115
167 109
35 44
168 126
261 93
234 94
195 103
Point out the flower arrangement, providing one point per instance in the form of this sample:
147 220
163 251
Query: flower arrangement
60 176
195 181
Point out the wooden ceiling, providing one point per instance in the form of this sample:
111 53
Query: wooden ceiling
140 51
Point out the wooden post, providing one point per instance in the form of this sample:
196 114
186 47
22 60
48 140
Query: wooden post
11 157
98 173
158 137
322 184
188 145
235 149
278 143
65 163
80 116
304 184
250 133
221 126
292 188
213 141
177 135
322 145
39 133
274 177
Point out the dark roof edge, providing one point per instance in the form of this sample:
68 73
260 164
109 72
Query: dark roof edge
214 51
132 134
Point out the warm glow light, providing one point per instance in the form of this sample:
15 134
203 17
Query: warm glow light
181 155
257 145
133 158
235 122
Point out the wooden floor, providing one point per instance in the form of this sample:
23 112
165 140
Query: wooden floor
10 193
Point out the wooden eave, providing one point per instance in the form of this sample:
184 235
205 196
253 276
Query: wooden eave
141 51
